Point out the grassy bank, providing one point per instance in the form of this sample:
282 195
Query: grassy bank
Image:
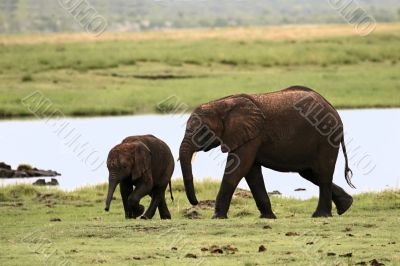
132 73
39 224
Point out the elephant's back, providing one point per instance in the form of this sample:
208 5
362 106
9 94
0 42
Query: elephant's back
295 99
294 116
163 158
161 153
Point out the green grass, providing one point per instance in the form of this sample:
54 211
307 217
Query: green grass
129 77
84 234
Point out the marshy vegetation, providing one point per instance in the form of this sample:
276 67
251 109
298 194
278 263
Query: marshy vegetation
124 74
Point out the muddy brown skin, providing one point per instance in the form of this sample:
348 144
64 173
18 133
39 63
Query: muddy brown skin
292 130
145 162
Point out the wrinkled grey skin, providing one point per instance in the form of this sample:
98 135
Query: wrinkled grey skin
147 163
269 130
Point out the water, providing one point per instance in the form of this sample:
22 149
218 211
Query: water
372 137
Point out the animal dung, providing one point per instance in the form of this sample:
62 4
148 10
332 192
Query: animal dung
291 234
191 255
262 248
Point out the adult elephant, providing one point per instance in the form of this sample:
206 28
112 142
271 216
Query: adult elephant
292 130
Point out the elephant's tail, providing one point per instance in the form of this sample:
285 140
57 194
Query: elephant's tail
170 190
347 171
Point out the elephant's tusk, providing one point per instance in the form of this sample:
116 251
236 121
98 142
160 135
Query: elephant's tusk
194 157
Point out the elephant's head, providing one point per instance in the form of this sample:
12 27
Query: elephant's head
230 122
127 160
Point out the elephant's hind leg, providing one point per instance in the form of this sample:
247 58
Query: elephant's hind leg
257 187
163 208
151 210
341 199
324 208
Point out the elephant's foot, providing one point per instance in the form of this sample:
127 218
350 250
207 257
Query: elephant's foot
144 217
343 204
136 212
166 217
268 215
219 216
319 213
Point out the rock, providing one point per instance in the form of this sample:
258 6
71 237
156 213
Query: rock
55 220
53 182
275 192
19 173
24 167
24 170
347 255
42 182
300 189
6 173
39 182
267 227
331 254
5 166
262 248
38 172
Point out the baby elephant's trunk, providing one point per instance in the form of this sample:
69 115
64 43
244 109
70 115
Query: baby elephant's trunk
111 188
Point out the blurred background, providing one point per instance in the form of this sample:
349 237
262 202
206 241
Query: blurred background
20 16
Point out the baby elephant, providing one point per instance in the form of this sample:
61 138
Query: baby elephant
147 163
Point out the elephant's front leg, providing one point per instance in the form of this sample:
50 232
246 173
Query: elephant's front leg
126 188
238 165
256 184
141 190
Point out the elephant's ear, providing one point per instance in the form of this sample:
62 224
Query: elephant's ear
243 122
142 162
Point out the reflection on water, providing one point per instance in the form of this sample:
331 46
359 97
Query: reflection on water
371 137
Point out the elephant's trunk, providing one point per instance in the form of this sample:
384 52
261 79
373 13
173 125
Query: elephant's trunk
185 156
112 185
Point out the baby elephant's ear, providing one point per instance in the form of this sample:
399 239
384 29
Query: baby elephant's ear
142 162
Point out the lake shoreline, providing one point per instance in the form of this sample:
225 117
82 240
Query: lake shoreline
32 117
